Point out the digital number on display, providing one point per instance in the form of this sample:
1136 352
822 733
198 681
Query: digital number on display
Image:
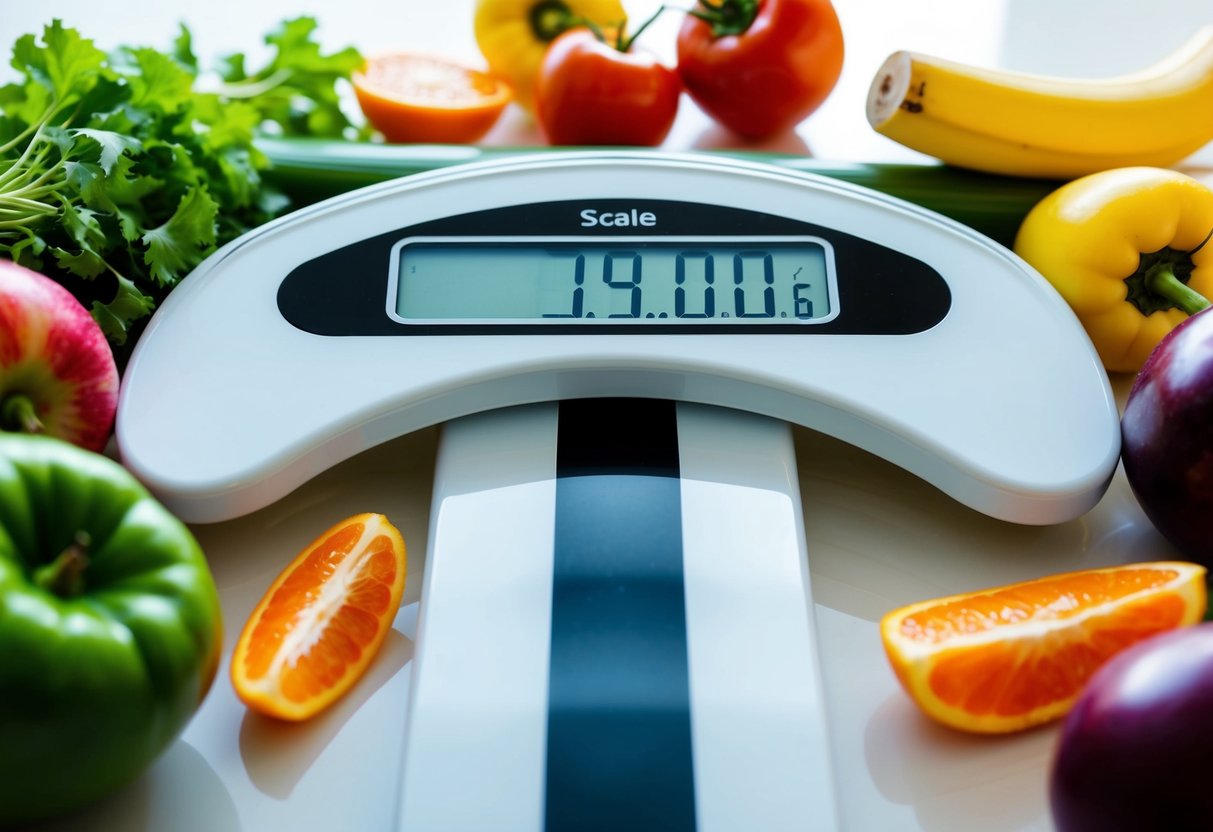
775 280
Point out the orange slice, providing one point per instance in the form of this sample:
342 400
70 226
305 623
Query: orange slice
321 622
422 98
1008 658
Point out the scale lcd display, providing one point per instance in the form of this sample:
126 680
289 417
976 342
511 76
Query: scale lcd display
687 281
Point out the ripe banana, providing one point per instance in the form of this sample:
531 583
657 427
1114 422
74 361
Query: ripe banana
1034 125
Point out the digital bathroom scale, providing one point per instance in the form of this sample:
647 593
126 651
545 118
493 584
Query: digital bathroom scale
616 625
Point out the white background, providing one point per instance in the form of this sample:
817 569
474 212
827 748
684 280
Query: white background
1061 37
877 537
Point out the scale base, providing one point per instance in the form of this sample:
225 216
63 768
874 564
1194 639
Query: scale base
588 660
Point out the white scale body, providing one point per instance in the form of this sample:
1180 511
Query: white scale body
293 349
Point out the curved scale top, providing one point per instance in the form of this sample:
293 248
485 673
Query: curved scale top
996 396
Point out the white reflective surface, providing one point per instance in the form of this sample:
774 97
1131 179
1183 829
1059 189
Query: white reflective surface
877 537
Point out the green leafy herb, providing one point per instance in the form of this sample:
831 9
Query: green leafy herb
296 92
119 172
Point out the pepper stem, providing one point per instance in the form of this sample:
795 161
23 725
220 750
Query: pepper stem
64 576
17 413
1161 280
550 19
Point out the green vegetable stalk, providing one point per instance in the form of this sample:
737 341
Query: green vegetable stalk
119 174
310 169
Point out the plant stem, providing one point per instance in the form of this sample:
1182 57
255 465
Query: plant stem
250 88
1161 279
8 212
50 173
33 127
625 44
23 161
17 413
622 42
550 19
25 171
24 221
64 576
24 202
726 17
17 139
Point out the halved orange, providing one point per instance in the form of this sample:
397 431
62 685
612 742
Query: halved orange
323 619
1008 658
424 98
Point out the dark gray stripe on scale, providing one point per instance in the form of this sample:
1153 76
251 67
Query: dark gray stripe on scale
619 726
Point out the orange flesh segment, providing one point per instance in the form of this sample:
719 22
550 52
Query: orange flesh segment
322 620
1013 680
351 630
429 81
290 599
418 98
1011 657
1058 598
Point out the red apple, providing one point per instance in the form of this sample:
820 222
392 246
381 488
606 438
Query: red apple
57 372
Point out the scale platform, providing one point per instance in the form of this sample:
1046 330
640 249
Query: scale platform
633 604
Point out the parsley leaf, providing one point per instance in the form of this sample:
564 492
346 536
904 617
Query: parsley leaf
180 243
119 174
65 67
112 145
297 92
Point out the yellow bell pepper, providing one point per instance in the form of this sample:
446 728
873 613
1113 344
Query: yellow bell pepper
513 35
1127 250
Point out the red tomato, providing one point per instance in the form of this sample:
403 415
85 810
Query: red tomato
589 92
769 73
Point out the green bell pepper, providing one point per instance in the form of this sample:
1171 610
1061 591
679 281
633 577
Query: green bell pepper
109 627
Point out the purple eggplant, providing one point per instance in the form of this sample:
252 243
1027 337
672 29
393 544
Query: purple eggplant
1136 751
1167 437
